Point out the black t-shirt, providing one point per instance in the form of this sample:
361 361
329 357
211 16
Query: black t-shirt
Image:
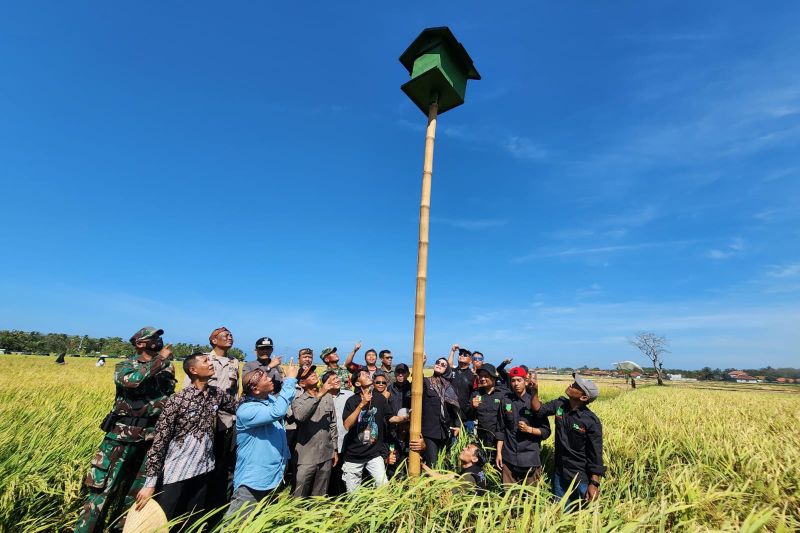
366 439
463 379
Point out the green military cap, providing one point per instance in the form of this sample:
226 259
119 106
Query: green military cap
146 333
326 352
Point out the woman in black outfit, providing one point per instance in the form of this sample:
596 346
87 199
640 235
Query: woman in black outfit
440 411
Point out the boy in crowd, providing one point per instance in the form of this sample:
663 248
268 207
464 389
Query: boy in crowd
370 358
579 439
182 454
317 439
519 439
365 418
262 450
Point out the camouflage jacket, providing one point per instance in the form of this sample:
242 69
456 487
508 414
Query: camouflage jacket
142 389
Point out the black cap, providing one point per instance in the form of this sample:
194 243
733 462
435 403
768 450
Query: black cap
464 351
489 369
401 367
264 342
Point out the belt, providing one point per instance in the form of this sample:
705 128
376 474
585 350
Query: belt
138 421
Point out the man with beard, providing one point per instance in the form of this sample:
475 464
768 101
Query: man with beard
143 384
519 439
265 361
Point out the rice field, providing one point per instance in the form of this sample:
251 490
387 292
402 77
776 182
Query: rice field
684 457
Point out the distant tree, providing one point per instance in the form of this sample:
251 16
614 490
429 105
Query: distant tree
706 374
237 353
653 347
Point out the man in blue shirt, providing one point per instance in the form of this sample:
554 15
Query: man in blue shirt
262 451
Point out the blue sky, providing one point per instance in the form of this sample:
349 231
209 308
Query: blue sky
619 168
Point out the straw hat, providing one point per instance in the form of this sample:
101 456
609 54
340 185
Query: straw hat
151 519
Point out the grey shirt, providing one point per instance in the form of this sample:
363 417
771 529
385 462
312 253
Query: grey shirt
338 403
317 433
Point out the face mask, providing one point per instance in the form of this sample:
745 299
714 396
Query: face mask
154 345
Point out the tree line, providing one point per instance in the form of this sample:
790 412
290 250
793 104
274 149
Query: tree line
35 342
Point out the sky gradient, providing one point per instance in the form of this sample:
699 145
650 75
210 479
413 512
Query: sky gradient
619 168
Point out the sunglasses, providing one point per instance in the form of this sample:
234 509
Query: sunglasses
380 382
477 358
388 357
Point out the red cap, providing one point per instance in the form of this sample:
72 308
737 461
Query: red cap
517 372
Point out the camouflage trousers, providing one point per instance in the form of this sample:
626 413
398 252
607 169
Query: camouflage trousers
116 475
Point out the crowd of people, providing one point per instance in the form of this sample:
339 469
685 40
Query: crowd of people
236 438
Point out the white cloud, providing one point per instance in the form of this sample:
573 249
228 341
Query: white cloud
785 271
524 148
472 224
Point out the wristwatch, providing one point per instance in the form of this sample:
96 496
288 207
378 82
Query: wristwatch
594 482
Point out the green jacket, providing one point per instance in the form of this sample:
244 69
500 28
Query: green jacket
142 388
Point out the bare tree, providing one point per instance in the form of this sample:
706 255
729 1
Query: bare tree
653 347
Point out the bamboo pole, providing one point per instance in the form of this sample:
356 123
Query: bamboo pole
422 278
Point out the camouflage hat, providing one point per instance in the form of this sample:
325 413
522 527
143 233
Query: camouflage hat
146 333
326 352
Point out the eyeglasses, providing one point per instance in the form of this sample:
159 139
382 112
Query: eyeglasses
380 382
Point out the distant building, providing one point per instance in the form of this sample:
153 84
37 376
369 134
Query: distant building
679 377
740 376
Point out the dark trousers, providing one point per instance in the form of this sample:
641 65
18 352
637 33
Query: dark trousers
221 478
335 484
432 449
181 497
291 466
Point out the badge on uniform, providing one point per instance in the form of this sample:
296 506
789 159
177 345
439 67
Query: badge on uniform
508 407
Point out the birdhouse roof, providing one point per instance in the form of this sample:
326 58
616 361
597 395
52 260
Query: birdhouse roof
430 38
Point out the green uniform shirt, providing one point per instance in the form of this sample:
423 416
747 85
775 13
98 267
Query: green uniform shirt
142 388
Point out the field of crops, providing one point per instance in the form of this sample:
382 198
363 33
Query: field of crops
679 457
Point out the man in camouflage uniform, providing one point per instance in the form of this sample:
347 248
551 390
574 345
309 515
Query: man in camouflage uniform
144 382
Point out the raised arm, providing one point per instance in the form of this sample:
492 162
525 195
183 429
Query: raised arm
453 351
349 359
129 376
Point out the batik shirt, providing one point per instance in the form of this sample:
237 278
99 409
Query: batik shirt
183 446
226 377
